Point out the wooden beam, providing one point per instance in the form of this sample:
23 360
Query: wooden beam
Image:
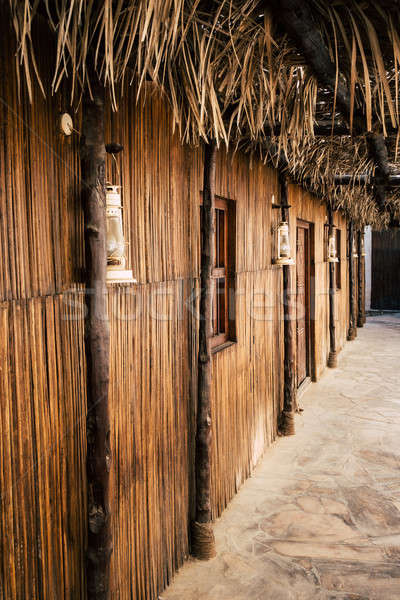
203 543
332 359
287 424
97 343
363 179
321 129
349 179
297 18
361 280
352 332
379 154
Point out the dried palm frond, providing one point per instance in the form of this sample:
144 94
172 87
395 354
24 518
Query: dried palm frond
366 45
229 73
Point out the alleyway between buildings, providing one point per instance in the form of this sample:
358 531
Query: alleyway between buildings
320 517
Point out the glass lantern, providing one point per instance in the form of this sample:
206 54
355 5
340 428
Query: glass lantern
354 248
283 257
363 253
332 252
115 243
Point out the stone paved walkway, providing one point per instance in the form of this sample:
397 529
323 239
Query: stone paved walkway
320 517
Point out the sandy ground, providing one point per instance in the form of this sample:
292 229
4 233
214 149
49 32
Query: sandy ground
320 517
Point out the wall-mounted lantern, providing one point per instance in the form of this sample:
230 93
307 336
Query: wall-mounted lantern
332 250
354 249
283 245
363 253
116 246
66 124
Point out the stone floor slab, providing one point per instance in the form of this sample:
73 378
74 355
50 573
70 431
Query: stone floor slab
320 517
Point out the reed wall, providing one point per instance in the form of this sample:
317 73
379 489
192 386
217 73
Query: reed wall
153 342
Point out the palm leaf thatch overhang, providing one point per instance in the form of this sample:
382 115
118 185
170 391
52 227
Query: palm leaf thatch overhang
232 71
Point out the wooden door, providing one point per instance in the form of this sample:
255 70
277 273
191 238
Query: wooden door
356 267
385 290
303 302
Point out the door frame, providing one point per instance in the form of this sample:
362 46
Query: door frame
310 303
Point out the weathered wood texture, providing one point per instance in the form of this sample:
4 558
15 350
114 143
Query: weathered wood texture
385 290
204 420
289 330
352 277
97 344
154 344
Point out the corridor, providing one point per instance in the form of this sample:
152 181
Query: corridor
320 517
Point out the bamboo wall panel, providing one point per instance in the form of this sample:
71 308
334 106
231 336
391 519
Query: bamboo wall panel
41 250
246 407
150 407
42 449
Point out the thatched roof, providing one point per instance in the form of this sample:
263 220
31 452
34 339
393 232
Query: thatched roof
240 72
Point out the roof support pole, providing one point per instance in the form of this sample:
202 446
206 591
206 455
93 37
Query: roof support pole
203 542
332 359
287 424
97 345
361 279
352 333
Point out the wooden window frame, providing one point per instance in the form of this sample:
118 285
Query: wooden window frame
225 270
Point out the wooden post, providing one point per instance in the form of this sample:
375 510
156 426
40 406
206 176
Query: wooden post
361 282
97 342
203 542
332 359
364 282
352 333
287 424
